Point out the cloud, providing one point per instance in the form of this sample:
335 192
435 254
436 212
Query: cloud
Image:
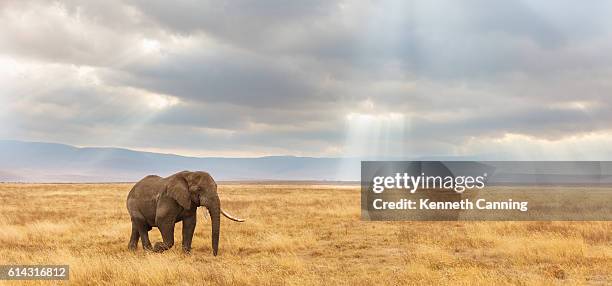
221 76
204 77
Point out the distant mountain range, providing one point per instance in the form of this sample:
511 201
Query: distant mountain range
22 161
50 162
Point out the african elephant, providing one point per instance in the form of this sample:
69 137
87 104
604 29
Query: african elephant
162 202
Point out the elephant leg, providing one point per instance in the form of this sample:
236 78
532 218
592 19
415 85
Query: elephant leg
189 224
167 232
134 237
143 231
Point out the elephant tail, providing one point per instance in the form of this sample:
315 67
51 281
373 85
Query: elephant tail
227 215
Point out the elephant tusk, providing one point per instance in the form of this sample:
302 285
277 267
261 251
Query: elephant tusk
231 217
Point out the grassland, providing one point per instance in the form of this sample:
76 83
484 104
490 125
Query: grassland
294 235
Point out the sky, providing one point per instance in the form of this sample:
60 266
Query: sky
517 79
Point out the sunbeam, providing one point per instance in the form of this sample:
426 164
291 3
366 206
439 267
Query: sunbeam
371 137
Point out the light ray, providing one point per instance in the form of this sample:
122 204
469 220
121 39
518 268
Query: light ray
370 137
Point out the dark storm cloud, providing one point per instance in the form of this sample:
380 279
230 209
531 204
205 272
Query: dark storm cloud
225 77
282 77
537 122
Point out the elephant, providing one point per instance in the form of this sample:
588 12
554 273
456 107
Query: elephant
162 202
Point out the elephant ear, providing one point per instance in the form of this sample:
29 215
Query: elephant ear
179 191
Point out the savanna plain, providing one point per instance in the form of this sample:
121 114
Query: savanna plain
295 234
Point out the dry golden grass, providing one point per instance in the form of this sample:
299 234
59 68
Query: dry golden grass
294 235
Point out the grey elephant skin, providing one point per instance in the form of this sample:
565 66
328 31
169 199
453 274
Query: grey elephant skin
161 202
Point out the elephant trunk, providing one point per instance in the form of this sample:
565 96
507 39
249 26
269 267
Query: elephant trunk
214 210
